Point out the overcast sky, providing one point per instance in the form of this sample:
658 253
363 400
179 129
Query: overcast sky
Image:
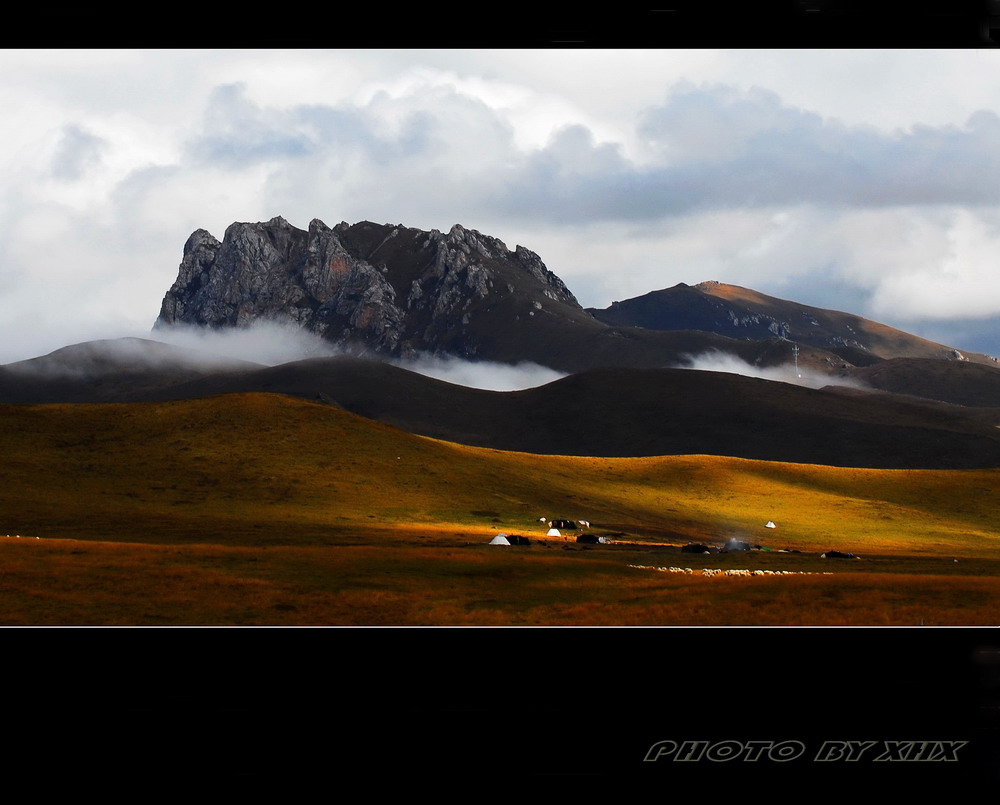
866 181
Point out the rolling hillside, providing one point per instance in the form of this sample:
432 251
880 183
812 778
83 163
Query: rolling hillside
957 382
270 470
610 412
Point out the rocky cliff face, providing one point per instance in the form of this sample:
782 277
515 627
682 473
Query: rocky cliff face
384 288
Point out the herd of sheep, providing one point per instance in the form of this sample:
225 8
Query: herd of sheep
733 572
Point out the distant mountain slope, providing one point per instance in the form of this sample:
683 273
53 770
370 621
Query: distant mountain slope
743 313
113 370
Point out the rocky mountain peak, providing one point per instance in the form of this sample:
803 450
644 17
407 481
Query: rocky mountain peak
382 287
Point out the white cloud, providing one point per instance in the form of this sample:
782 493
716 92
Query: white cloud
786 373
265 342
960 280
533 114
482 374
885 89
78 151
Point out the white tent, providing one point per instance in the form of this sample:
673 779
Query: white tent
499 539
553 532
769 524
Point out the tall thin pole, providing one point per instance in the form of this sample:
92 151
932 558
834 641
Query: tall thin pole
795 354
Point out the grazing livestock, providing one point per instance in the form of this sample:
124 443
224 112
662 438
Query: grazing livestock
710 572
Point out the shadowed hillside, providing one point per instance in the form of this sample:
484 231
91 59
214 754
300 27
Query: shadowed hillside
958 382
609 412
629 412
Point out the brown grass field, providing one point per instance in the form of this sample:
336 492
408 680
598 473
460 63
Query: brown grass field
267 510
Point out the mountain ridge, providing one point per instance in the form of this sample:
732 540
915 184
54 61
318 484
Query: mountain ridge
396 291
739 312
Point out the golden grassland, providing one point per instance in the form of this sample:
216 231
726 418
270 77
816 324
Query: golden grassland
69 582
263 509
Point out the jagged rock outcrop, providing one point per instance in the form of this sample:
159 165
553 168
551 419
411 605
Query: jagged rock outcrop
390 289
276 271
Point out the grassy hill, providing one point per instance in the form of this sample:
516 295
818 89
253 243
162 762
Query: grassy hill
269 469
